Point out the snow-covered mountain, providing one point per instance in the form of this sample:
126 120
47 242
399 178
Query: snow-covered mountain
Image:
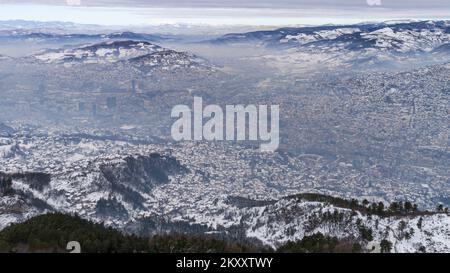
91 157
292 218
26 24
142 56
62 37
348 45
117 189
106 52
170 60
121 193
401 37
126 186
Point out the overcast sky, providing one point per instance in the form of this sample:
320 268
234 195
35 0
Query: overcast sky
243 3
222 12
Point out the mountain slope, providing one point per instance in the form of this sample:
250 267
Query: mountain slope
400 37
170 60
61 37
129 185
124 57
52 232
116 190
107 52
292 219
123 193
381 45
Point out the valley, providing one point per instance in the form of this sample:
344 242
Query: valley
364 114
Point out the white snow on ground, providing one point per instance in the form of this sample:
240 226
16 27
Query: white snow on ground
291 220
75 187
101 53
303 38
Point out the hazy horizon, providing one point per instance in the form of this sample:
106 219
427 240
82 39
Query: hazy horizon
215 13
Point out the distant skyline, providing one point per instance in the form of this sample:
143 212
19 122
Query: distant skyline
224 12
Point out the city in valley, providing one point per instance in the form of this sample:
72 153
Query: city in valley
363 156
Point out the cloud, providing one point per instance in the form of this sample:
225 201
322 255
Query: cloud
73 2
397 4
223 12
374 2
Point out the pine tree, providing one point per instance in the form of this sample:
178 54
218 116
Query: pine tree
420 223
408 207
394 207
386 246
365 202
380 209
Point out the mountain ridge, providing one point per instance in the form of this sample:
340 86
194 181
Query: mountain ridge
354 46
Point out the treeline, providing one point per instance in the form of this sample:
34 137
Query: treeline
319 243
52 232
366 207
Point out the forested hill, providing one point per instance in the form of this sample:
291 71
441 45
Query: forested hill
52 232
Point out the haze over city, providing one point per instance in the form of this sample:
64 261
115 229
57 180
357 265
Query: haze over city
286 12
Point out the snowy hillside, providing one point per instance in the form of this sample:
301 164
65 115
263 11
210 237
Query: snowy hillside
383 44
400 37
99 53
291 219
63 36
125 56
122 185
86 123
170 60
